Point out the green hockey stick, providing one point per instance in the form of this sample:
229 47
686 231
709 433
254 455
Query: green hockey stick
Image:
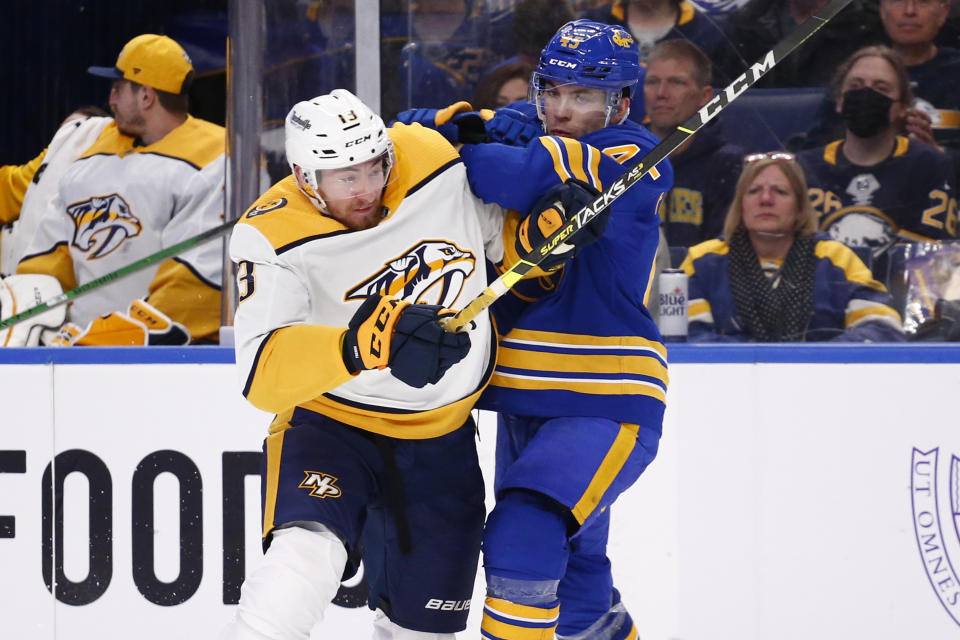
143 263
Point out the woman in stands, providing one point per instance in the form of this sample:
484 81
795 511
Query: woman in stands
772 279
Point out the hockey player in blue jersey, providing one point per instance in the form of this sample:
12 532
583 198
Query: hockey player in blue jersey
581 379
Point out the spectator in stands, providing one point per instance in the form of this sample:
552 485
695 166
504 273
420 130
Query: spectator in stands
507 83
761 24
705 167
934 117
153 177
651 21
912 26
772 279
874 187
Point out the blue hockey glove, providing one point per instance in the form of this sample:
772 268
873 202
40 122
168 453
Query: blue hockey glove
407 338
516 125
550 213
421 351
456 123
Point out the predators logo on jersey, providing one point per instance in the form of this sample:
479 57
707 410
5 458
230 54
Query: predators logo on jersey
101 224
321 485
432 272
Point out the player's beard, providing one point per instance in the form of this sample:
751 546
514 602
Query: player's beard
132 125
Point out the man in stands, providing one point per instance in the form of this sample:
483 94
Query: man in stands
153 177
705 167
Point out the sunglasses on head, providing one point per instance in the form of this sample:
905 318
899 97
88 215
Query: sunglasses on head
780 156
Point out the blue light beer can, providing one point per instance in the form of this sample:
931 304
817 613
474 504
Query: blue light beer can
673 305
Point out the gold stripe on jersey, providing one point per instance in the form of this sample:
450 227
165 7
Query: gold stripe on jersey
14 180
699 307
831 150
903 145
697 251
186 298
574 165
579 385
871 312
415 425
420 154
842 257
642 364
575 340
283 226
286 372
611 465
196 141
56 262
916 237
949 119
274 447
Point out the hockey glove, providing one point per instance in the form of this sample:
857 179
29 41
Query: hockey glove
456 123
551 212
142 324
366 344
422 351
515 125
408 338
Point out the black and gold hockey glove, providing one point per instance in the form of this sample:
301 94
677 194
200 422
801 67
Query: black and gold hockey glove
551 212
406 337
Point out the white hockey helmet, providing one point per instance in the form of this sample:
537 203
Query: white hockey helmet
334 131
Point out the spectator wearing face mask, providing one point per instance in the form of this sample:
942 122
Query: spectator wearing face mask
875 187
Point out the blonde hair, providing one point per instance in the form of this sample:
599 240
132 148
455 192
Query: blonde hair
806 222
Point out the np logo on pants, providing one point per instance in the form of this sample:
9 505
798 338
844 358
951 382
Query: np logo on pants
321 485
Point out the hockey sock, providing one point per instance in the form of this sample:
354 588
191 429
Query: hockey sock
525 554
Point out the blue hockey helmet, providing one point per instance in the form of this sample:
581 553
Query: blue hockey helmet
588 54
591 54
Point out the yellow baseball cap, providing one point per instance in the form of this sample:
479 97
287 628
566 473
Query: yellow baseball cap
156 61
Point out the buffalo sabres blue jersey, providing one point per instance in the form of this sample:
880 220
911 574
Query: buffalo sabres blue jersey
590 347
848 304
910 196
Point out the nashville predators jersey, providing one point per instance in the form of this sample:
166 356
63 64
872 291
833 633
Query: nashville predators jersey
590 347
118 203
910 196
302 275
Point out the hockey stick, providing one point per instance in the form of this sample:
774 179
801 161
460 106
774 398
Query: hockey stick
639 169
133 267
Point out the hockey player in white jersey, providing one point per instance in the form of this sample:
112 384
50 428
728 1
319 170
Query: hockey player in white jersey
345 269
151 177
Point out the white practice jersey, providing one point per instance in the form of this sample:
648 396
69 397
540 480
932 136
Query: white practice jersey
119 203
302 275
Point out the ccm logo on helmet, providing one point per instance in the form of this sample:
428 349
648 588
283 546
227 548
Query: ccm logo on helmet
563 63
359 140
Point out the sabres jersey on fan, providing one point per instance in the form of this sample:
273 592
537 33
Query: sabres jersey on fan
848 304
910 196
302 275
118 203
590 348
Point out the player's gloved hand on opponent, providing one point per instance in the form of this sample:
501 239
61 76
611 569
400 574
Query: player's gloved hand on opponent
516 124
408 338
457 123
142 324
551 212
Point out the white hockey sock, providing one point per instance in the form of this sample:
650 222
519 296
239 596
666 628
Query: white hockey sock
386 629
287 594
